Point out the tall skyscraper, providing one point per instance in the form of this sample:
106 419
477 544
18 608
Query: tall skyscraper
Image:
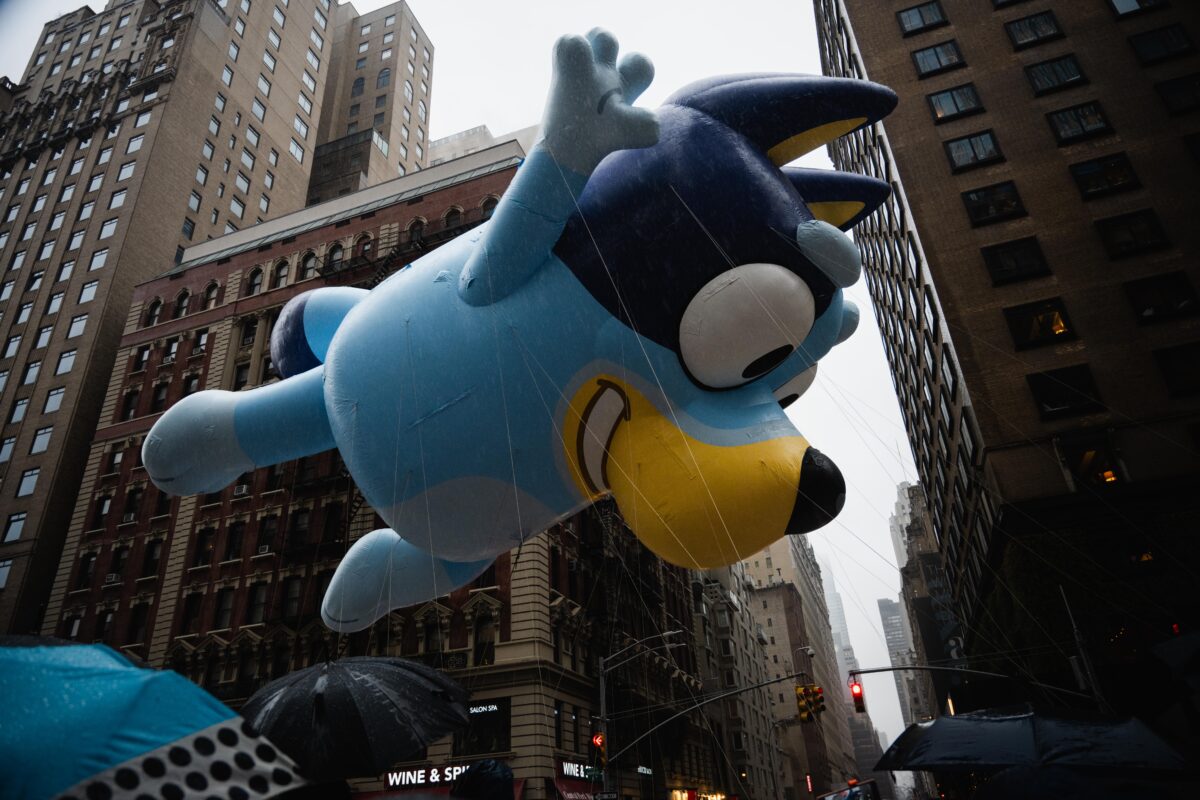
1034 276
133 133
901 654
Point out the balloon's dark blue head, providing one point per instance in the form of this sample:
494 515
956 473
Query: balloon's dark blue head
656 226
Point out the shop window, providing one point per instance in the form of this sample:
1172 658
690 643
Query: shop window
1162 297
1041 323
1105 175
489 728
1064 392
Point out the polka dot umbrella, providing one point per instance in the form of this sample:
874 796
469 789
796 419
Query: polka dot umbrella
81 721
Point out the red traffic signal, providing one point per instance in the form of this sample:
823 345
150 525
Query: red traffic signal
598 740
856 694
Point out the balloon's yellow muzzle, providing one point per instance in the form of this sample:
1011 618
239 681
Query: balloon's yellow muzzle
695 504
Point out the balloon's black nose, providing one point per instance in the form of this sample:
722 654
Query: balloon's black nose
820 495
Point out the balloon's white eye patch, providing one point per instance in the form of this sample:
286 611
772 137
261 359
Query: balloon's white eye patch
791 391
744 323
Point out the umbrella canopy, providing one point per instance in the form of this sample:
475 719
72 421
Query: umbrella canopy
997 739
82 721
1074 783
356 717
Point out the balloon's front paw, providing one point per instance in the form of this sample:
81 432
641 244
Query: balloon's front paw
193 448
590 113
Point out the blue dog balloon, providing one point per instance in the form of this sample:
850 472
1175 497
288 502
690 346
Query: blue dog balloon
651 292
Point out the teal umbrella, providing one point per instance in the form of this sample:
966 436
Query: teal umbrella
81 721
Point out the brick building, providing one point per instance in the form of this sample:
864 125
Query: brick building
1034 279
135 132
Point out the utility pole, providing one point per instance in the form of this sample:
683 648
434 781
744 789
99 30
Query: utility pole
606 666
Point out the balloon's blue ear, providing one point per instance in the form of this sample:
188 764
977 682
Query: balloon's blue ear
787 116
843 199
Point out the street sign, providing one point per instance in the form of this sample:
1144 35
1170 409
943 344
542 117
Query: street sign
593 774
605 795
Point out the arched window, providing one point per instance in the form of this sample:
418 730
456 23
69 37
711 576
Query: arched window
153 313
357 88
362 248
489 207
280 275
254 282
336 254
485 640
416 230
408 91
210 295
453 218
422 112
181 304
433 636
384 79
308 267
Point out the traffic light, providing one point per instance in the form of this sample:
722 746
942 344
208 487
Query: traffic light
856 694
803 709
818 700
599 741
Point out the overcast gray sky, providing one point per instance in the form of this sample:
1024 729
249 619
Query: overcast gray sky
492 66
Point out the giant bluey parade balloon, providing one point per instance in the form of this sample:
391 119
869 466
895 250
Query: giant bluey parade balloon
651 293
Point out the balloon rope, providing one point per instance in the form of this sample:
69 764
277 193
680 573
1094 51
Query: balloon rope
424 477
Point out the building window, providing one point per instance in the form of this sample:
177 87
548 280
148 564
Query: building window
296 150
1178 367
1078 122
98 260
1106 175
1064 392
28 482
1133 233
1162 297
1181 94
1055 75
279 275
66 360
995 203
921 18
384 79
1032 30
357 87
1161 44
41 440
88 292
1127 8
1040 323
973 151
1017 260
1091 459
18 410
16 522
54 400
489 728
10 348
937 59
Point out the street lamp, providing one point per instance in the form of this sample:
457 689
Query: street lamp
607 666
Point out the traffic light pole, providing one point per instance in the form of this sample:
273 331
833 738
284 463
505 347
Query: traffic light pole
698 704
1047 686
607 666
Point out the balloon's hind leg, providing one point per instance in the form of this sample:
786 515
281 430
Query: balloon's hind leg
207 439
382 572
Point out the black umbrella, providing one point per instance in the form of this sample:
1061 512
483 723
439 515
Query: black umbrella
1067 783
356 717
998 739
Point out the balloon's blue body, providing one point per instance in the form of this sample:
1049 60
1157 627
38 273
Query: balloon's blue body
630 325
